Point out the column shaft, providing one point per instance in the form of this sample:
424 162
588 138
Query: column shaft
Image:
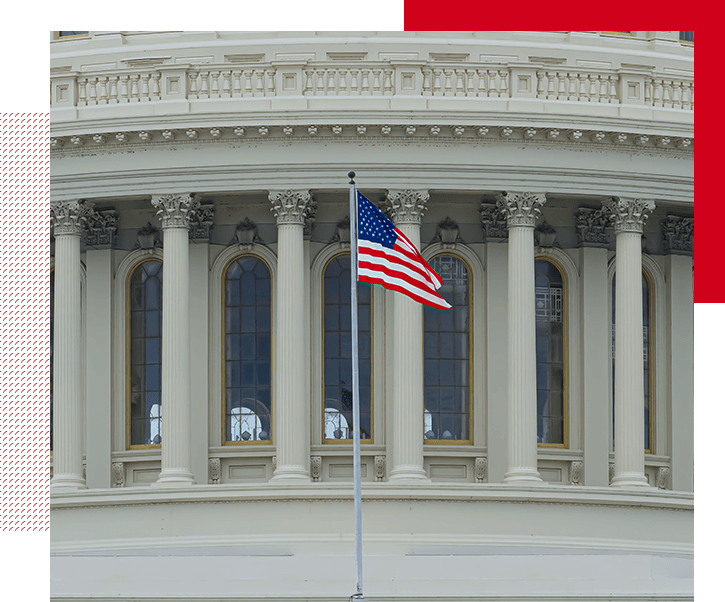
67 392
408 380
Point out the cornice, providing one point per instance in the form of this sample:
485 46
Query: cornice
631 141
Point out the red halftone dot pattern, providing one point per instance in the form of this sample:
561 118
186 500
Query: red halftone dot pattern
24 320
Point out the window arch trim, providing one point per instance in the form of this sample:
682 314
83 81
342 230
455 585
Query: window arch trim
340 251
216 408
222 362
477 366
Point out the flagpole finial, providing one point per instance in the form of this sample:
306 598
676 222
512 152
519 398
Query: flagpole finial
351 175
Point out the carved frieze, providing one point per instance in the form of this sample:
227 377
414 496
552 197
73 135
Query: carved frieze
201 222
575 472
379 468
174 210
316 468
119 474
628 214
591 225
481 469
678 235
215 470
69 217
406 206
101 228
493 223
521 208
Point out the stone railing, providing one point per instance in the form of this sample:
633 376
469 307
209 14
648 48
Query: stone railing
360 79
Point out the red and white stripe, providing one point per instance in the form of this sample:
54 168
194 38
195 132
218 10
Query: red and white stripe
400 269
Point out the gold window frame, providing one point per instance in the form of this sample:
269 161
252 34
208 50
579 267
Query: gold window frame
565 377
224 441
325 440
468 441
127 293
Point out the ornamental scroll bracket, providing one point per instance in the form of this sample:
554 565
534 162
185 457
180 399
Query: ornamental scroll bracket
101 228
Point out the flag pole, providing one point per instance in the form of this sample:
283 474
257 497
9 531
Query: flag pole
358 595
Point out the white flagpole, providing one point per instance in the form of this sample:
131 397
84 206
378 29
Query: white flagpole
355 387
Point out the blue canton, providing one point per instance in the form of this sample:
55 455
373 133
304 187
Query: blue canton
372 225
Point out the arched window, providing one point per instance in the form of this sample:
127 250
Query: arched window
551 361
247 351
144 354
337 352
647 332
447 352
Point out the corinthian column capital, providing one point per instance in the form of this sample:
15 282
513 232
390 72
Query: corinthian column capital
174 209
406 206
69 217
521 208
292 206
628 214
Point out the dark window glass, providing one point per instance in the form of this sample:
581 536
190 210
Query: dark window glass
247 354
66 34
145 288
549 353
687 36
337 343
446 351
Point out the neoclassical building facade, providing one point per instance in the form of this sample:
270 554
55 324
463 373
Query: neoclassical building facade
534 442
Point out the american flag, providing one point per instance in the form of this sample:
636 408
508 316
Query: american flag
386 257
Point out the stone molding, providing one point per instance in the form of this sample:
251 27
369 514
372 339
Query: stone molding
575 472
406 206
481 469
175 210
493 223
521 208
69 217
379 468
201 222
663 477
628 214
215 470
316 468
119 474
293 206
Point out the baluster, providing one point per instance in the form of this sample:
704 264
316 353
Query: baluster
155 86
436 82
666 94
82 82
604 88
214 84
448 86
492 83
593 88
427 87
504 82
389 88
354 74
193 94
677 96
686 92
331 81
145 91
541 83
483 82
561 93
102 91
551 76
614 88
320 88
582 87
376 82
307 89
343 82
648 92
204 88
270 82
657 94
259 78
573 83
459 82
366 82
237 83
113 90
692 96
469 73
92 91
124 89
226 84
247 74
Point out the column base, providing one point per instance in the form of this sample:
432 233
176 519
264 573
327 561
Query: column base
630 479
67 482
291 473
175 477
409 473
523 476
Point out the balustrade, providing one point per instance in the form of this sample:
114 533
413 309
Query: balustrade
484 81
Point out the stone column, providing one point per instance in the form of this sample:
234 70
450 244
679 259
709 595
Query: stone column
628 217
291 399
174 212
406 209
68 220
521 210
